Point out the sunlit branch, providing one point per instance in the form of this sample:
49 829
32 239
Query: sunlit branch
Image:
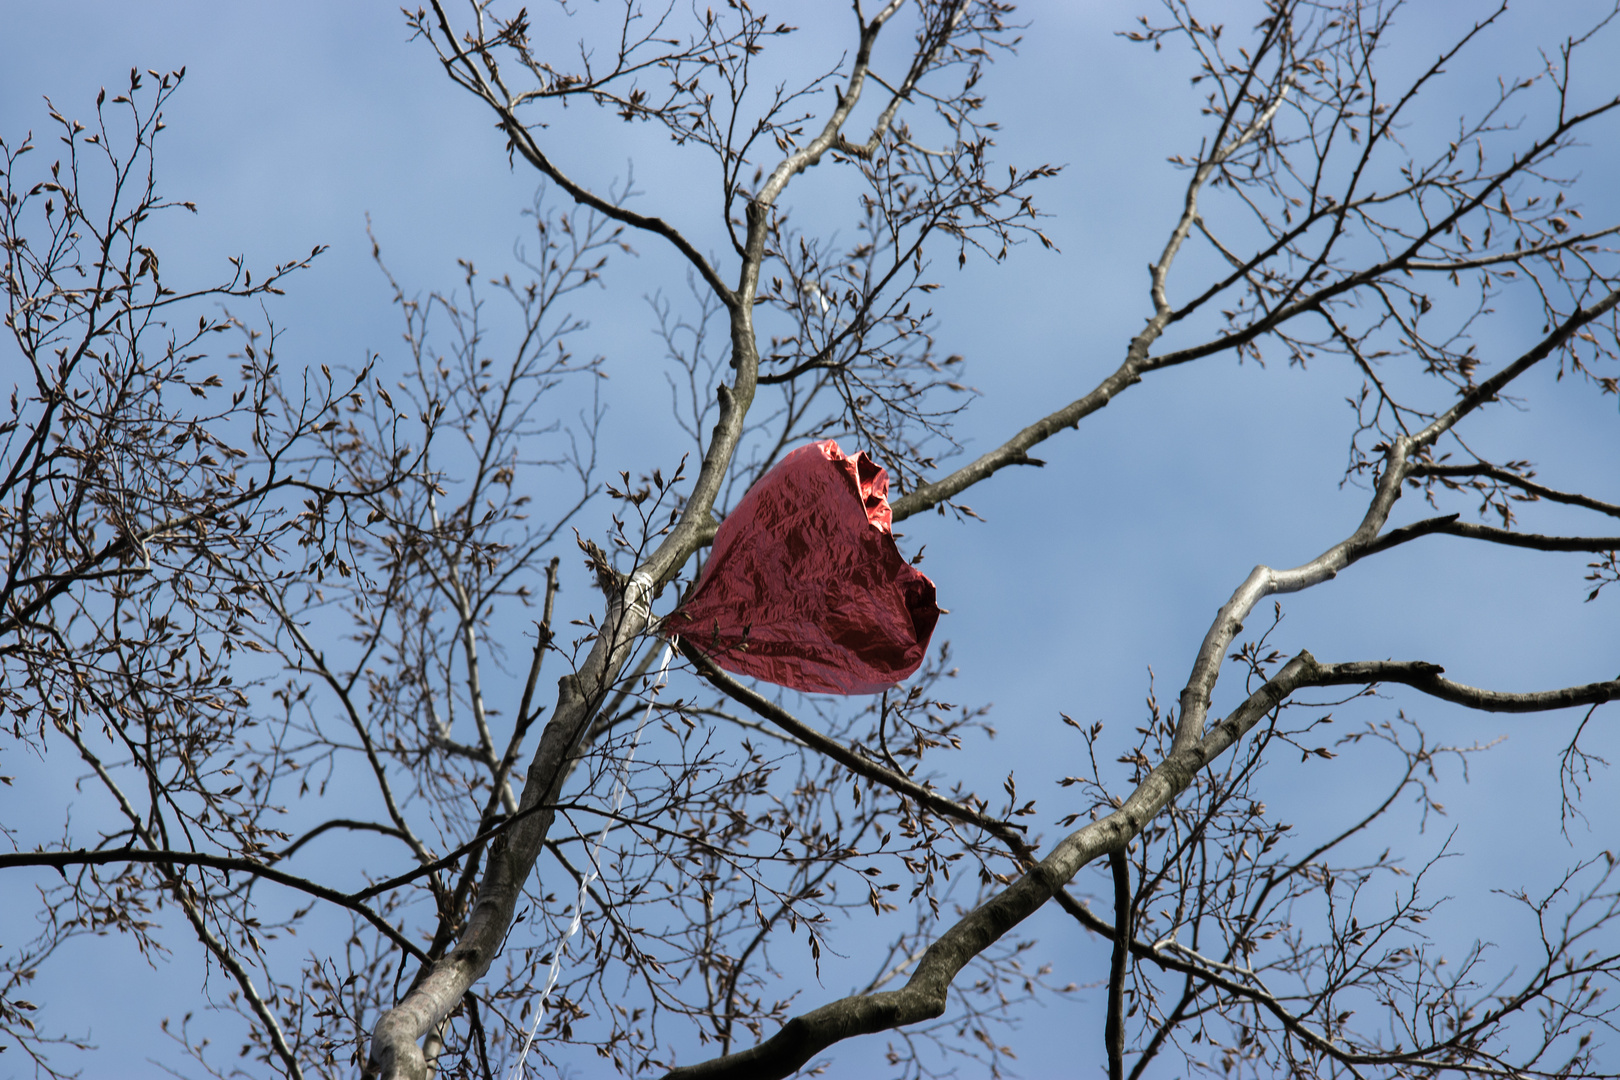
925 993
1264 581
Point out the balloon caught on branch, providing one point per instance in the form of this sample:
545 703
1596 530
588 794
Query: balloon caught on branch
804 586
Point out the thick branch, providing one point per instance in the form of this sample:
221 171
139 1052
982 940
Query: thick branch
394 1050
1449 525
1398 462
1427 677
924 995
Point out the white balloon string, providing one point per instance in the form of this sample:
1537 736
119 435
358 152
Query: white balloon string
620 788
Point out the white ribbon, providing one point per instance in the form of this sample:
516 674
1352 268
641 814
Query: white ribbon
620 788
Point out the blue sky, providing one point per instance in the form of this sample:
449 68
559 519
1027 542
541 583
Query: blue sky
299 119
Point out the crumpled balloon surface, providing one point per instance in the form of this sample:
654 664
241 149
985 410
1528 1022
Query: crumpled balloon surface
804 586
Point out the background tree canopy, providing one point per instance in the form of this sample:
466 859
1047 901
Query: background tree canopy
302 440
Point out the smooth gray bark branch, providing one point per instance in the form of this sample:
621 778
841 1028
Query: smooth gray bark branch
925 994
1399 460
395 1052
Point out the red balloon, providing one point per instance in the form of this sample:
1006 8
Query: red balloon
804 586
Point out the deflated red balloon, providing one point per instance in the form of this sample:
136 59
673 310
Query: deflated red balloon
804 586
